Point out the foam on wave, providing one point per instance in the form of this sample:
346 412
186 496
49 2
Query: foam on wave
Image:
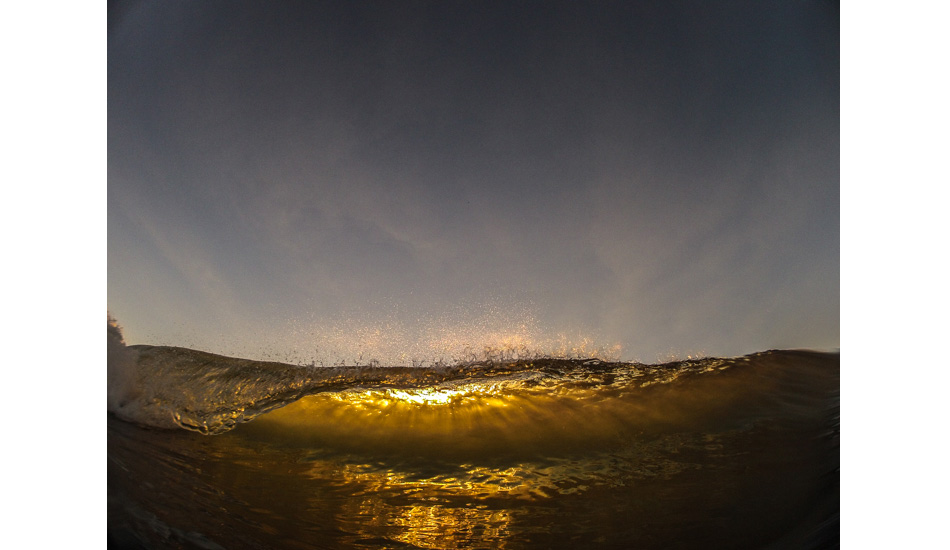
121 370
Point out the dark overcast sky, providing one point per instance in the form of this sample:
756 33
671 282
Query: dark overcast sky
287 176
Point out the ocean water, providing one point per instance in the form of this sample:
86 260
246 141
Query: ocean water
212 452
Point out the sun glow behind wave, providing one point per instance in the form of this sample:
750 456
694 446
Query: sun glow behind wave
524 413
427 396
470 394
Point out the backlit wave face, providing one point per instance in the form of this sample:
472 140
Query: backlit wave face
494 454
543 454
166 387
524 413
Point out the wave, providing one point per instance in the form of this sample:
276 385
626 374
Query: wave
534 452
173 387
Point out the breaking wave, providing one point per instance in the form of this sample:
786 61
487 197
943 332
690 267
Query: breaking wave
499 452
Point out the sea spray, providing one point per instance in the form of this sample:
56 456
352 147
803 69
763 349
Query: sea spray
121 369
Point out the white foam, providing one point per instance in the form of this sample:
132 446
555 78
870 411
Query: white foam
122 363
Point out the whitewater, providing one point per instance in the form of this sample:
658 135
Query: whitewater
208 451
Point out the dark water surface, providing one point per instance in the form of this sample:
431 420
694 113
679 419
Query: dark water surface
712 453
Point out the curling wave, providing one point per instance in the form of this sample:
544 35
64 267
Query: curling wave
169 387
527 453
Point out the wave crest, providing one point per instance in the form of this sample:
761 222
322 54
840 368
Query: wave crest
173 387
